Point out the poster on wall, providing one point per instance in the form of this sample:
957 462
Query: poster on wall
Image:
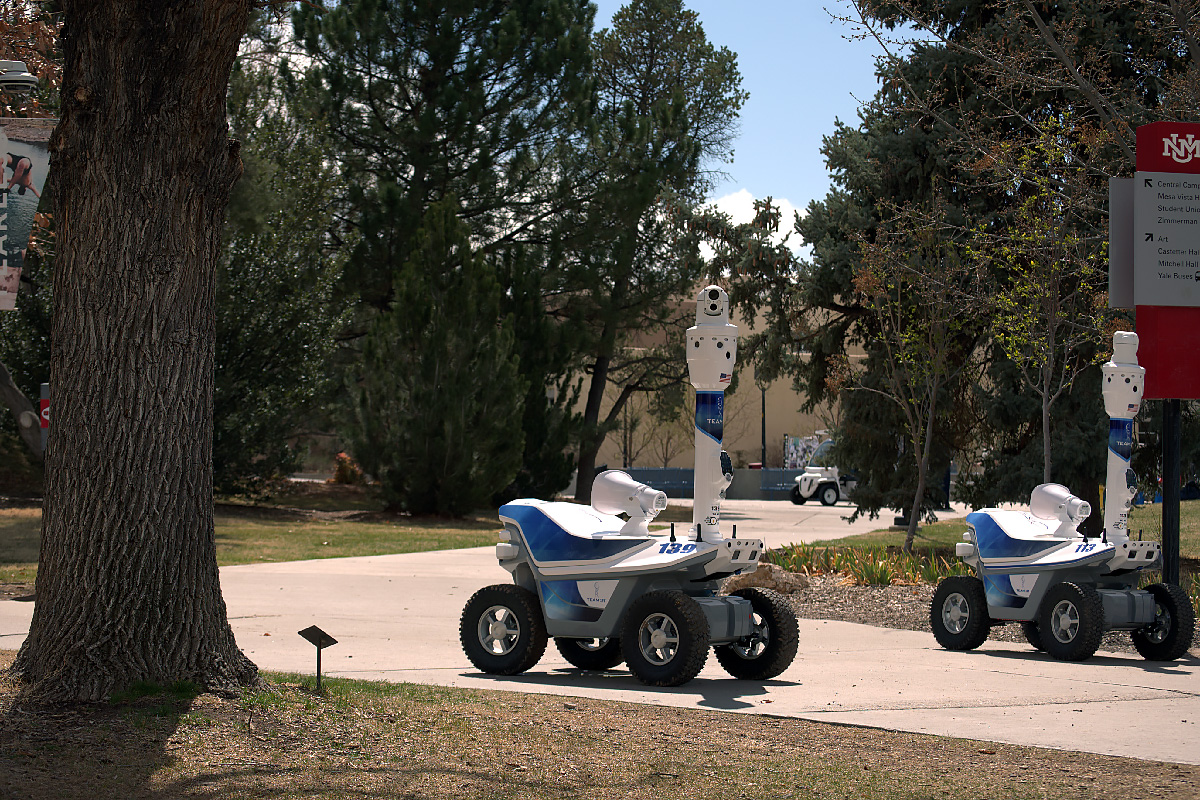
24 160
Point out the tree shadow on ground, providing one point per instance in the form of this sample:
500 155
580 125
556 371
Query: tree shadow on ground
87 750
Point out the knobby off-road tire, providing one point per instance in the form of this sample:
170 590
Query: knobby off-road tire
1071 621
771 648
502 630
1170 635
958 614
598 654
664 638
1032 635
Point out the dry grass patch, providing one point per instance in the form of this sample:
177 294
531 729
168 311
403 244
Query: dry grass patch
371 740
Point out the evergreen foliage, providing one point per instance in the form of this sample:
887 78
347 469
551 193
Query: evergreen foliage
488 102
466 97
546 350
438 397
276 316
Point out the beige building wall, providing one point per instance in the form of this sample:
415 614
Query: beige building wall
642 441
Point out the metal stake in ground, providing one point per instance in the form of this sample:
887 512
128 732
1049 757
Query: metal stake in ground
320 639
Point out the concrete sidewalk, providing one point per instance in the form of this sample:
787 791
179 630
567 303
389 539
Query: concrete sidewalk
396 619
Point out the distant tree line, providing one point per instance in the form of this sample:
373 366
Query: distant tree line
453 222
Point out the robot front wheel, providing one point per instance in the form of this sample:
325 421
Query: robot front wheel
664 638
771 648
502 630
597 654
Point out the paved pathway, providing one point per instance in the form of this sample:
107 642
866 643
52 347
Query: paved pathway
396 619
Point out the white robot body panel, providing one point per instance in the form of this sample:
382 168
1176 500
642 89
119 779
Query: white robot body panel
711 357
568 539
1124 385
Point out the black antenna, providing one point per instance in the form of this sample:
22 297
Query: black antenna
672 531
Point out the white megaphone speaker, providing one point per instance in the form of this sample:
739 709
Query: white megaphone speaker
1053 501
615 492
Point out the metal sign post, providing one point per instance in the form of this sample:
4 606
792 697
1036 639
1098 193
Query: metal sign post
320 639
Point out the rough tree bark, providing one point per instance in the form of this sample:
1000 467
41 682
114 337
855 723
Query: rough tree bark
127 585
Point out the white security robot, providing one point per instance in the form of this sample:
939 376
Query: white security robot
610 590
1065 589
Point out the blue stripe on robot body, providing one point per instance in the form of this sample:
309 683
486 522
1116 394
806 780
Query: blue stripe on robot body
549 542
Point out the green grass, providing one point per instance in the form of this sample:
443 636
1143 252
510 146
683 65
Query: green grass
20 532
945 533
244 539
942 534
1147 520
251 536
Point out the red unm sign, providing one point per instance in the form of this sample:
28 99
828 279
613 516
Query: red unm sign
1167 272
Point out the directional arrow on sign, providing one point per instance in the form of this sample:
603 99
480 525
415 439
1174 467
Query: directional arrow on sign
1149 237
1149 183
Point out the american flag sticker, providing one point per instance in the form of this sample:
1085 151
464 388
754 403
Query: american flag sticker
724 378
1133 407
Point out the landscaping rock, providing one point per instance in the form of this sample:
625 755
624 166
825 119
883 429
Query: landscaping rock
768 576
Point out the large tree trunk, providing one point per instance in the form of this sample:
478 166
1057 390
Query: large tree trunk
127 584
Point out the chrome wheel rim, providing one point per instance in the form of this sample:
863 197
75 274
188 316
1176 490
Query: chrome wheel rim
956 613
591 645
1064 621
658 639
498 630
1157 631
756 643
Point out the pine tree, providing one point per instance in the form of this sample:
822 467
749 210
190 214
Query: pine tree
276 314
438 398
465 97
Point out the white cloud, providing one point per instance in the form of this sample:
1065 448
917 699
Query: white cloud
740 207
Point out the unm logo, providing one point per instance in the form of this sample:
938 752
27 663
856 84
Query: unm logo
1181 151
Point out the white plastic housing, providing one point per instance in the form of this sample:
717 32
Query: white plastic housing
711 357
15 78
616 492
711 342
1123 387
1055 501
1124 380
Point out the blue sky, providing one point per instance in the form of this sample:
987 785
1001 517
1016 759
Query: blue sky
803 71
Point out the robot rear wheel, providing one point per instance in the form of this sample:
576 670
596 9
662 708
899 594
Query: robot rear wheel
771 648
1170 635
598 654
958 613
1032 635
1071 621
502 630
